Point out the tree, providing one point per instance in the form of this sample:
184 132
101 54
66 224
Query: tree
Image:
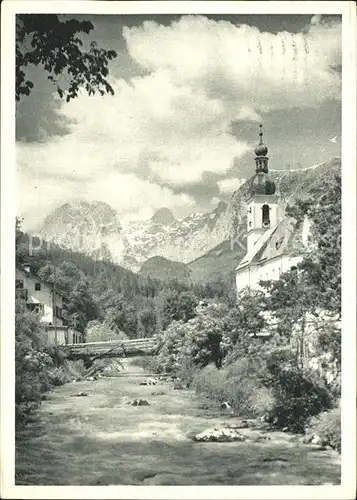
147 318
119 314
192 344
288 299
97 332
312 292
246 318
79 306
44 40
176 306
31 363
321 267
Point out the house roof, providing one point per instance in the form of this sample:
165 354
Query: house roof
284 238
34 277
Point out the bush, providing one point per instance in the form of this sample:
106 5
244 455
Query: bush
245 388
75 368
148 363
58 376
37 367
236 385
211 381
297 398
327 426
193 344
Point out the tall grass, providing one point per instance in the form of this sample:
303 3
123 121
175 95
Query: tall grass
233 385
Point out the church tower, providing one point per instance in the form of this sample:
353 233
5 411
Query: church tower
262 202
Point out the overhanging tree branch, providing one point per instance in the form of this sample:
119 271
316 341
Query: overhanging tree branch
57 48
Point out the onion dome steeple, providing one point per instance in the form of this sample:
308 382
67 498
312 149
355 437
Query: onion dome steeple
261 184
261 149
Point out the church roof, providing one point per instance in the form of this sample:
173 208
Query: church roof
284 238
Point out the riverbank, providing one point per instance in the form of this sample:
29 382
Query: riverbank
100 439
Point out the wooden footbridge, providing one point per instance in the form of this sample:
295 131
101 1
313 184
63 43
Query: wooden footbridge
111 349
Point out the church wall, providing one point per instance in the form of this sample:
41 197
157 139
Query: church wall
243 278
288 262
272 269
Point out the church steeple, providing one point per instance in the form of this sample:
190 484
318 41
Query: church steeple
261 151
261 184
263 210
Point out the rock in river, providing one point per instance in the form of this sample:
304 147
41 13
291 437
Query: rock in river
138 402
220 435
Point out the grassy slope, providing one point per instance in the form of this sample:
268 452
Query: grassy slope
164 269
218 262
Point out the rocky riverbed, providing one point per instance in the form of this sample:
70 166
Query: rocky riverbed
124 431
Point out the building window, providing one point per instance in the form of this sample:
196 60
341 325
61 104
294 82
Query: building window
37 308
58 312
37 287
265 216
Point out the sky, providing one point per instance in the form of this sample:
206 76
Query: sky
180 131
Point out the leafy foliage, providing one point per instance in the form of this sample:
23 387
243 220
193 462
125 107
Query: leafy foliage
297 398
327 425
44 40
34 367
98 332
174 305
321 267
245 319
194 343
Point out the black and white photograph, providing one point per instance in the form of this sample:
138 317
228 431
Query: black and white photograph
177 287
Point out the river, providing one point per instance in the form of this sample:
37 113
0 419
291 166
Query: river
99 439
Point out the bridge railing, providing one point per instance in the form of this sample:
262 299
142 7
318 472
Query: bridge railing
112 348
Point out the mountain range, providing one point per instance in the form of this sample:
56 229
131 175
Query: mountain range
203 246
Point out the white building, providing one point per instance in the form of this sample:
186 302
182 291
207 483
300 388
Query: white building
41 299
274 244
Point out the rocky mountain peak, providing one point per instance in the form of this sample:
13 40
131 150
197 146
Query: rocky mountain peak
85 226
163 216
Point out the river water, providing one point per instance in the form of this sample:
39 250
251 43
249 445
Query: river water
99 439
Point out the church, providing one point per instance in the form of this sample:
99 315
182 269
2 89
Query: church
275 243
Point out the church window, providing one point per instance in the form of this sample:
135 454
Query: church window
265 215
278 243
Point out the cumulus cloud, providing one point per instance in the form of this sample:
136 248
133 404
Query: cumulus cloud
130 195
173 125
258 71
227 186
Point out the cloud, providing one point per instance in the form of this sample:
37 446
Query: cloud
260 71
129 194
174 124
227 186
132 197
